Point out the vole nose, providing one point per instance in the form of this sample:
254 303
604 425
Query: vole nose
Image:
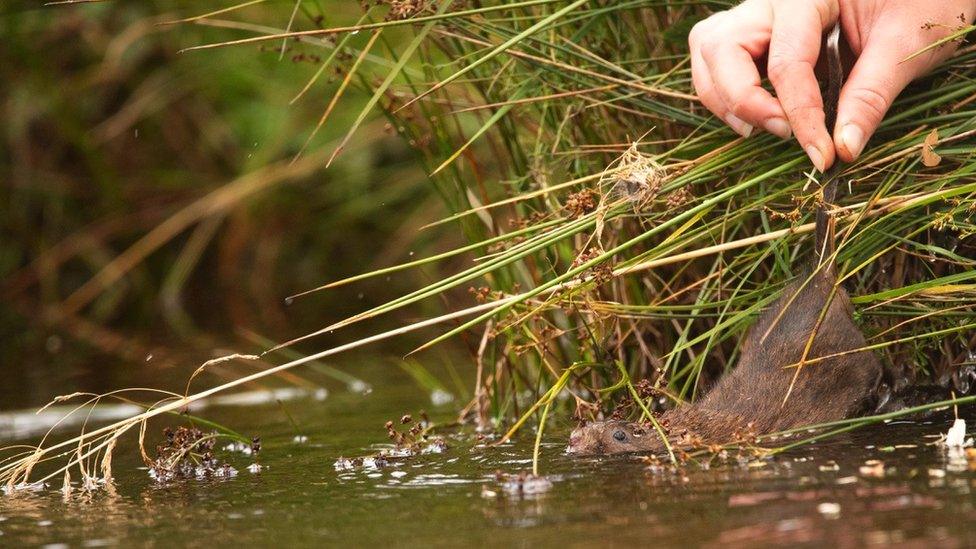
574 440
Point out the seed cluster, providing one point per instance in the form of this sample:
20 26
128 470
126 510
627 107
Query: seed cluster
188 453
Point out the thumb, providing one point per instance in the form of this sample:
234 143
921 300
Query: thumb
874 83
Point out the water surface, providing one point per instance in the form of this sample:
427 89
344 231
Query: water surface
831 493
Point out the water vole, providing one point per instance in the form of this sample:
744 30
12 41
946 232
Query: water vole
750 398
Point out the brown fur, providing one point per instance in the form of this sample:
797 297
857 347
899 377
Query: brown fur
750 398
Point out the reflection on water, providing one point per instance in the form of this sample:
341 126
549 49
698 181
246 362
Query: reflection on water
884 485
20 424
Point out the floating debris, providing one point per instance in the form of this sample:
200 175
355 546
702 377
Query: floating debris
829 510
415 440
830 466
299 439
187 454
523 484
873 468
243 448
368 462
412 442
955 444
955 438
255 468
238 447
344 464
435 445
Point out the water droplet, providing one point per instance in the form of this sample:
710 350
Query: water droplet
149 357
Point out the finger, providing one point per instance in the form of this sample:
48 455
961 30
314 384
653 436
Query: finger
793 50
732 69
702 81
871 88
710 98
737 81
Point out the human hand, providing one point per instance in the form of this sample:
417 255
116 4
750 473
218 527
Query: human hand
725 49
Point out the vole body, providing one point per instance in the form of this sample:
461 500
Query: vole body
750 398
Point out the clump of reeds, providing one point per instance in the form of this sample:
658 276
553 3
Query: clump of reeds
618 231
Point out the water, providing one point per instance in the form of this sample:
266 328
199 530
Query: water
831 493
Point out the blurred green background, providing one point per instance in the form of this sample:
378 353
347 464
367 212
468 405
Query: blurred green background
109 131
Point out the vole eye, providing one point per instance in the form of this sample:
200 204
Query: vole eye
620 436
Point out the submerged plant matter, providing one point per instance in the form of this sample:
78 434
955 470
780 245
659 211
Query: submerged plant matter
619 232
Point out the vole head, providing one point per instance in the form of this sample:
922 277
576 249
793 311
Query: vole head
612 437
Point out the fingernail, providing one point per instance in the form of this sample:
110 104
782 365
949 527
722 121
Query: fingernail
739 125
816 157
852 136
778 127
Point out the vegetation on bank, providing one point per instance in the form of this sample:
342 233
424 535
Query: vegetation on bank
615 231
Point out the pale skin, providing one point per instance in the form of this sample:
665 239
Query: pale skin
726 49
